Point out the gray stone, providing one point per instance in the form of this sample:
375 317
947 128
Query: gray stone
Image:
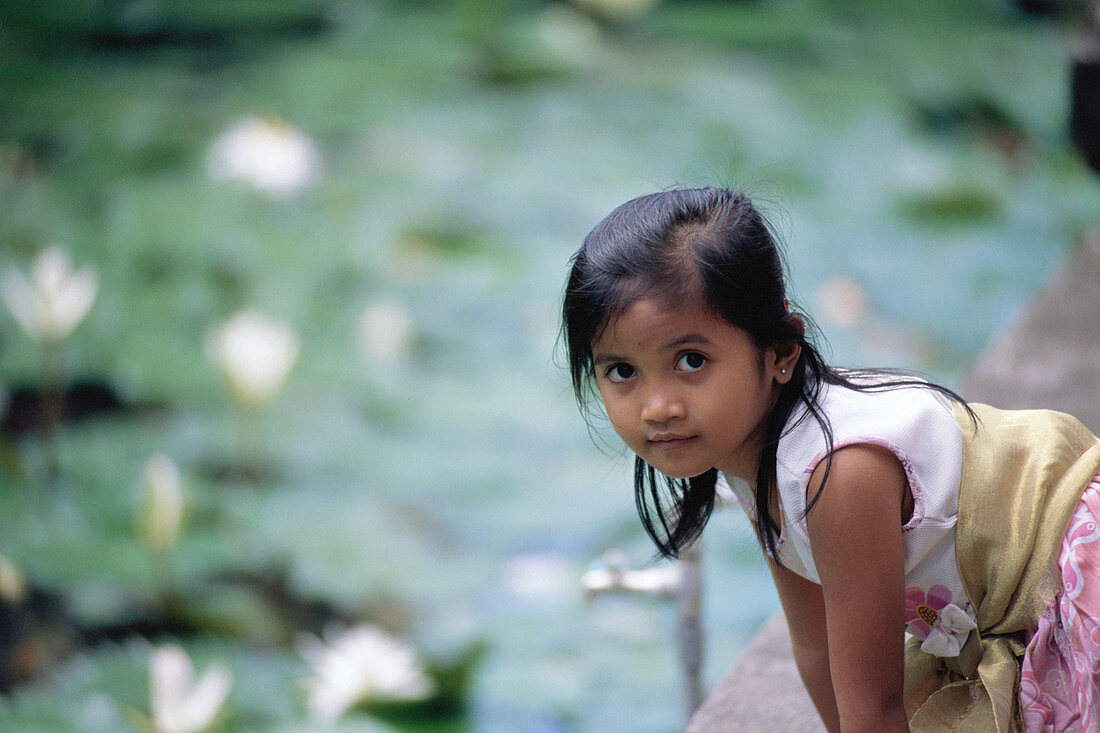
1050 356
762 692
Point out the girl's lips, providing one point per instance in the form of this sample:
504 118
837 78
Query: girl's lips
670 441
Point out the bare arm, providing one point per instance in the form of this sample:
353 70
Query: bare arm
804 607
855 533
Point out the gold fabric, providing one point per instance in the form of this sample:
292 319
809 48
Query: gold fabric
1023 474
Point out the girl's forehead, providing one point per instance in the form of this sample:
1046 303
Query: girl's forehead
650 318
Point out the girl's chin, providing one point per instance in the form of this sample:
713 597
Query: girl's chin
679 470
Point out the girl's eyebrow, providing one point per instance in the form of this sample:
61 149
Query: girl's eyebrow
691 338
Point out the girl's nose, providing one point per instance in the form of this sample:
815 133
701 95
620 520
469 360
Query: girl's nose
661 406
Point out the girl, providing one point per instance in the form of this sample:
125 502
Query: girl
882 502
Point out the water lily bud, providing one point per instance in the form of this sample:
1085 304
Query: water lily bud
162 519
256 355
54 300
13 588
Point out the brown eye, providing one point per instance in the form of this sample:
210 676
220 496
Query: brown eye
620 372
691 362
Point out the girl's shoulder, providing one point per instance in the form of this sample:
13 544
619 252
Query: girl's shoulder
873 407
915 423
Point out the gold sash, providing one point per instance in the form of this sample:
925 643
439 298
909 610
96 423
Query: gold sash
1023 474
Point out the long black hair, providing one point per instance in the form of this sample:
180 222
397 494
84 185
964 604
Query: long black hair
712 246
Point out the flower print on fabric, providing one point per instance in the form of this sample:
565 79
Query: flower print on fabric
932 616
1060 674
922 610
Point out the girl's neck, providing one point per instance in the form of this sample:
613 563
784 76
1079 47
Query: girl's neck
744 464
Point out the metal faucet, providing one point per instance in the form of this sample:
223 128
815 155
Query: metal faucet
681 580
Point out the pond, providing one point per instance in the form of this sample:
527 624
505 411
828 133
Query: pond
425 467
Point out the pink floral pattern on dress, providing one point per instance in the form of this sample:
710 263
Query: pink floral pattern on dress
922 609
930 615
1060 674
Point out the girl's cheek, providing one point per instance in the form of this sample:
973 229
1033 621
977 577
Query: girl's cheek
614 412
623 432
607 397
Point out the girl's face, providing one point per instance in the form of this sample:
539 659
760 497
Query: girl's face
686 390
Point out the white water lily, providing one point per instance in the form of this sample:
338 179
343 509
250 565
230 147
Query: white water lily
54 300
162 518
181 703
256 355
385 331
358 665
268 154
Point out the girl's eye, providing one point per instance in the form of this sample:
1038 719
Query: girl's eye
692 361
620 372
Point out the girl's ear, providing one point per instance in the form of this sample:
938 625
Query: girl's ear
784 357
781 363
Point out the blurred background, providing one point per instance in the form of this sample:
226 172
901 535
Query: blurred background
284 442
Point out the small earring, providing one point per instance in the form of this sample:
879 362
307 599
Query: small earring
782 371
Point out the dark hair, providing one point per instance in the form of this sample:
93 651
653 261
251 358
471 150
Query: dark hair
708 246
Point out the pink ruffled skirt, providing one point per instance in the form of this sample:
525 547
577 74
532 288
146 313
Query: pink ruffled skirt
1060 674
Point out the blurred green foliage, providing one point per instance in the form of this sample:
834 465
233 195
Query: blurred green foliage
466 148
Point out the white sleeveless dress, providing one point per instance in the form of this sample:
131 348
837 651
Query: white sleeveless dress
916 425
